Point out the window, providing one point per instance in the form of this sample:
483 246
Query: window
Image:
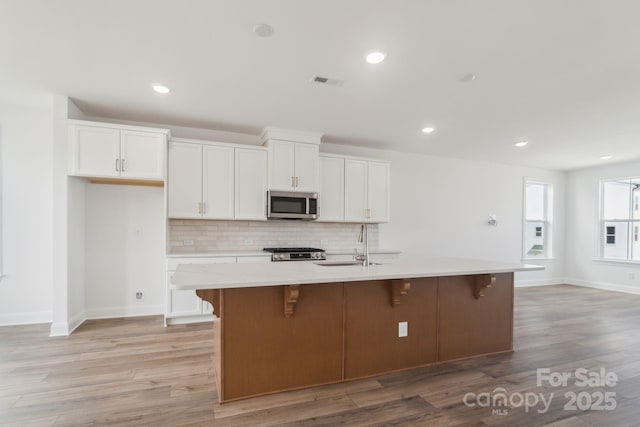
620 219
538 213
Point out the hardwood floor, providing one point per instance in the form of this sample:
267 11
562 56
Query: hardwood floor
136 372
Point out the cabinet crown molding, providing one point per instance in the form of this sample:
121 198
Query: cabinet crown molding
290 135
118 126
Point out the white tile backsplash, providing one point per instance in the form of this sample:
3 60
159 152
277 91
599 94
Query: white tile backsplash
234 236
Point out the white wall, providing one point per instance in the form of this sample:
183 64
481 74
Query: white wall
582 232
124 250
440 208
76 252
26 135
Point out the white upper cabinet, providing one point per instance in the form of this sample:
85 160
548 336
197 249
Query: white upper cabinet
250 184
379 192
217 182
95 151
293 159
331 190
367 191
142 155
282 165
306 167
355 190
184 183
101 150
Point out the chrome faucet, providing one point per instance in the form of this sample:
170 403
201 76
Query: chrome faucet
364 239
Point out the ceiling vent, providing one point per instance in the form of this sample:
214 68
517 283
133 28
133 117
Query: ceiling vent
327 81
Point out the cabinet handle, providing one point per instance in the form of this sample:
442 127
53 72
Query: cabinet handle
297 181
122 164
293 181
204 208
200 208
117 165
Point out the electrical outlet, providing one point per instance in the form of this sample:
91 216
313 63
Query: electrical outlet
138 295
248 242
403 329
324 242
631 275
187 242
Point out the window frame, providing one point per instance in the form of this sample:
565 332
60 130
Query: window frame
547 221
630 221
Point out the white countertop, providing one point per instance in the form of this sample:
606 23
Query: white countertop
220 254
371 251
267 254
222 276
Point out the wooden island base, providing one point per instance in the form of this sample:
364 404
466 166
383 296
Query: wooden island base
276 338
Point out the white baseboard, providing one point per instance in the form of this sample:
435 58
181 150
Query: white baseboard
538 282
64 329
125 311
603 285
27 318
189 319
77 320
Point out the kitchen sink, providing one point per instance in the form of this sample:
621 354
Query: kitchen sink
343 263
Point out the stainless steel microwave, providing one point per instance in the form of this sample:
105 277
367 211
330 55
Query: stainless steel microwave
292 205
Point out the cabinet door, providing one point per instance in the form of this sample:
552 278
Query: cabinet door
184 183
182 303
306 167
250 184
470 326
95 151
372 342
331 191
281 161
378 194
142 155
187 303
217 182
355 190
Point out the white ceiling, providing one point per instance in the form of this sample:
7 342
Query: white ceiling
563 74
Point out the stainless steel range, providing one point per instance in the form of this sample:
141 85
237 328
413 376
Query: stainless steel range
296 254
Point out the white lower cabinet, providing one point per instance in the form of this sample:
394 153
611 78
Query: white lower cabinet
186 306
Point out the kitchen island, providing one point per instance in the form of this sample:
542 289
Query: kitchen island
283 326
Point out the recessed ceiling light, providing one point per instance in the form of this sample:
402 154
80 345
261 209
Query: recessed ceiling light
607 157
263 30
161 89
428 130
521 144
466 77
375 57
